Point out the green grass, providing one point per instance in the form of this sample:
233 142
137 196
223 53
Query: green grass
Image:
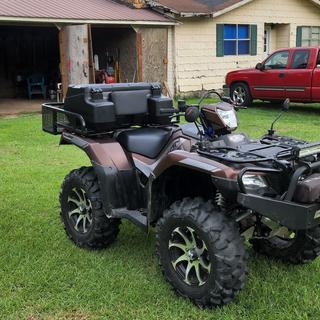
44 276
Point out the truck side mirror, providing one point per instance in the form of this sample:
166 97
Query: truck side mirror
260 66
286 105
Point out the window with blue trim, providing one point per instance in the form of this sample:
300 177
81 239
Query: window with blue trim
236 39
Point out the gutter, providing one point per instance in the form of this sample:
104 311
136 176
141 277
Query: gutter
87 21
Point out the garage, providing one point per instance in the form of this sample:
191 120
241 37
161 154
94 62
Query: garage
74 42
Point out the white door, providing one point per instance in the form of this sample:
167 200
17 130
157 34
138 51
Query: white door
267 41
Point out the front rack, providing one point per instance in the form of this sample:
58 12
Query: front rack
55 119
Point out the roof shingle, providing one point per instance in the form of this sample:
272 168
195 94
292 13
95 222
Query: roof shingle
77 10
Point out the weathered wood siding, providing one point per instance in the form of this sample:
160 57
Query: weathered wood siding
196 64
154 54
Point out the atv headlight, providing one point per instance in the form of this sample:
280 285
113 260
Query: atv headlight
229 118
255 183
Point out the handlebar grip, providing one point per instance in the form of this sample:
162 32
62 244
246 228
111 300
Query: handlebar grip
167 111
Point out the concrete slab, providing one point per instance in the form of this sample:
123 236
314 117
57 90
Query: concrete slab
18 106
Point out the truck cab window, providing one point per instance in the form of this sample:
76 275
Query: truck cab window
300 59
318 61
279 60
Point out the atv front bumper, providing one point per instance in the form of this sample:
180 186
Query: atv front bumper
287 212
292 215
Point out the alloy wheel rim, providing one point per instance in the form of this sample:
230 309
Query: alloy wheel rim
189 256
239 95
80 210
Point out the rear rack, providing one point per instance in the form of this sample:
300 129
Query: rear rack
55 119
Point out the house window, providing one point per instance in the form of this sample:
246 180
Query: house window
310 36
236 39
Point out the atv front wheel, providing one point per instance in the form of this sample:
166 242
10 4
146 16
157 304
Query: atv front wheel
82 212
201 252
299 248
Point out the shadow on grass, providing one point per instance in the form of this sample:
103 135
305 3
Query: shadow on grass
297 107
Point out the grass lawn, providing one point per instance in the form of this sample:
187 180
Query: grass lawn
44 276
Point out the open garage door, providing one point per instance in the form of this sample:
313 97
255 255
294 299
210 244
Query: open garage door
28 51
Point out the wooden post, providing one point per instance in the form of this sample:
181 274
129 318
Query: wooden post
91 62
139 51
74 55
63 63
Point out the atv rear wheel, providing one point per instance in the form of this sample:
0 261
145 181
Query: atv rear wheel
82 212
302 247
201 252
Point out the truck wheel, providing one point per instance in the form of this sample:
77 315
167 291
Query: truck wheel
82 212
298 248
201 252
240 94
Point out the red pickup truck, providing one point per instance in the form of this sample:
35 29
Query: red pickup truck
287 73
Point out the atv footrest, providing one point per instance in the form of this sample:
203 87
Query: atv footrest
135 217
292 215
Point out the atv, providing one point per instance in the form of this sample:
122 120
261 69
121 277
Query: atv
200 184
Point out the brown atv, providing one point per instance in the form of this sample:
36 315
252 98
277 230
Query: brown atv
201 185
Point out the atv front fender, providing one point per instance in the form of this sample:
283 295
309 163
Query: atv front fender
116 175
195 162
224 178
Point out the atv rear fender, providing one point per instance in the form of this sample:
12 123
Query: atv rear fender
116 175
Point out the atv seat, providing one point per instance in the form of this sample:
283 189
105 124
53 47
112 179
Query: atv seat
145 141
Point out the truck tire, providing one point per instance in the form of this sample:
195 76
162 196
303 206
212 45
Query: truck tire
201 253
240 94
302 249
82 212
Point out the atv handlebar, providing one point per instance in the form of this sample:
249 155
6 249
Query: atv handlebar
222 98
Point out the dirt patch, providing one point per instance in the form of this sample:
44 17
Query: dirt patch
9 107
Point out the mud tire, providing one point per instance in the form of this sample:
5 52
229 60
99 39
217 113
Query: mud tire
226 251
103 231
304 248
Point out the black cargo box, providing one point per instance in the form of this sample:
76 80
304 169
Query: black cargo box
106 107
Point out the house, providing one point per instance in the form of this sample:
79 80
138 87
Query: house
216 36
188 44
62 39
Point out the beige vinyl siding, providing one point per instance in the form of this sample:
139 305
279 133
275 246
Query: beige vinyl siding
283 36
196 63
171 61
